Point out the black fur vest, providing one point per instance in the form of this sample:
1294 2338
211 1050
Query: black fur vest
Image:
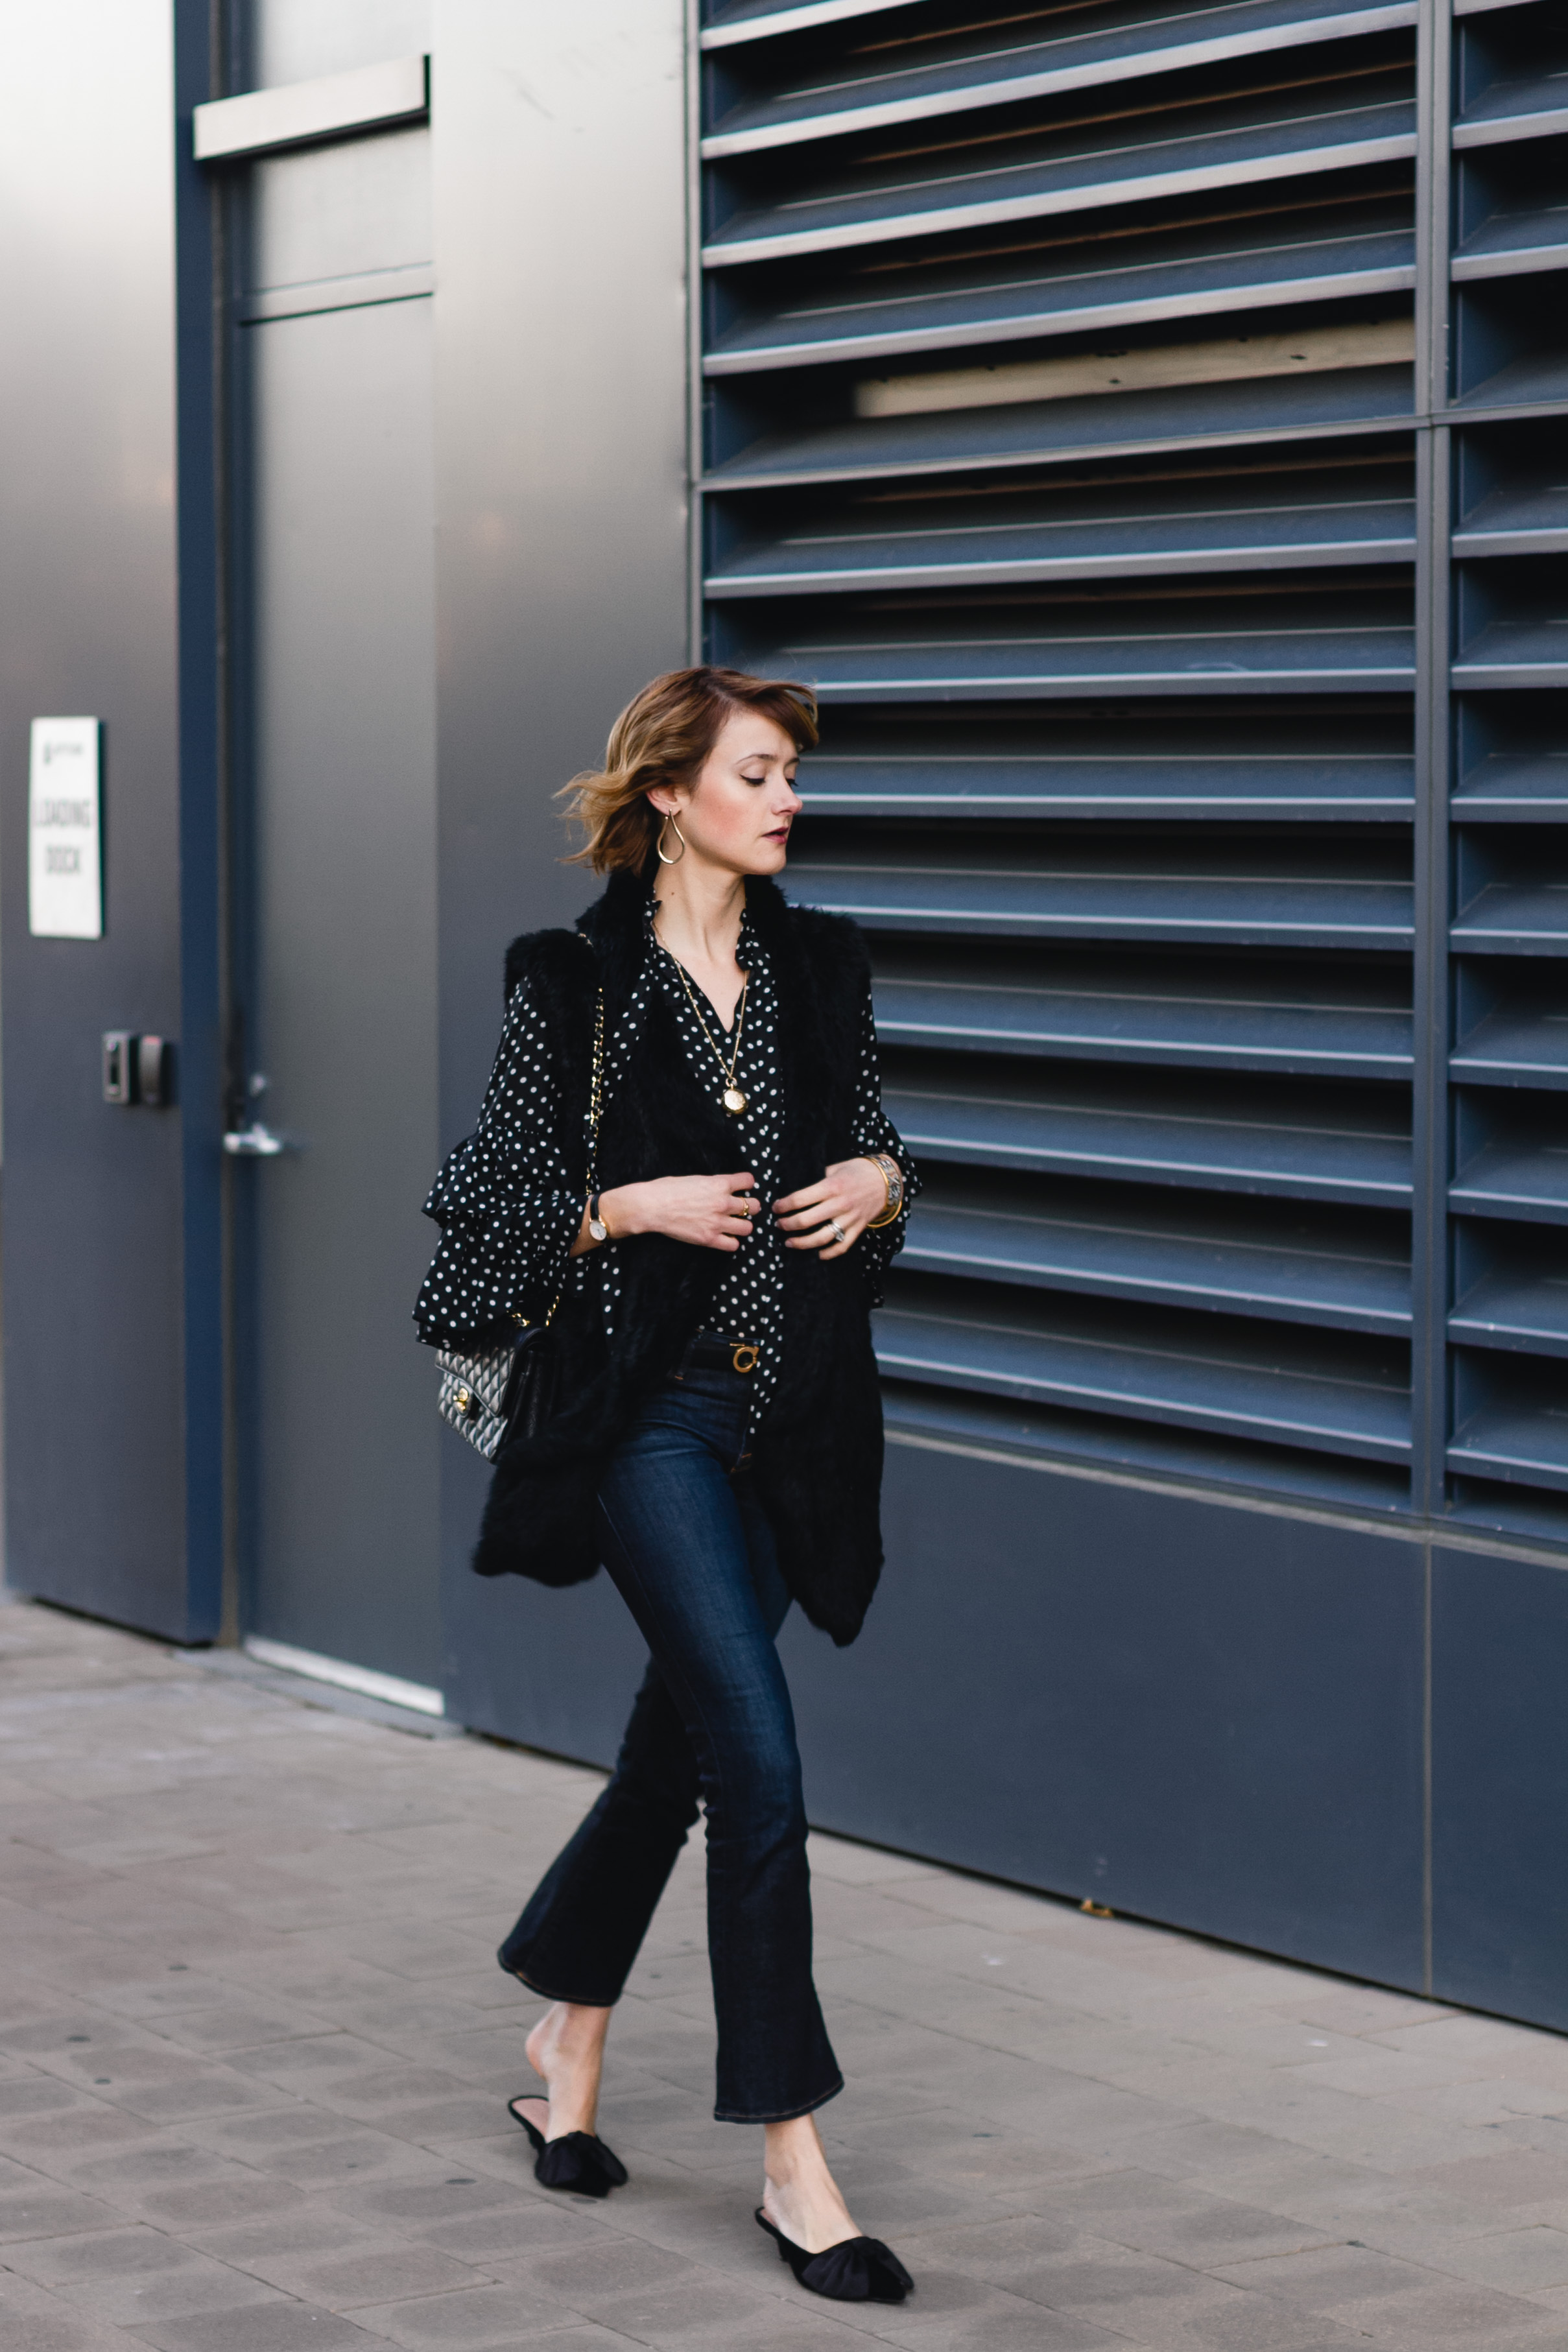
818 1456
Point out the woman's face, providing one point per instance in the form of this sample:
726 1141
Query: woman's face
738 814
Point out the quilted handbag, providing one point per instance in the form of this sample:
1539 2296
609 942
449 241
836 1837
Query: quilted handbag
506 1388
479 1387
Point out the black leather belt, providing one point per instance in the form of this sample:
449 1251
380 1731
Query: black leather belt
709 1353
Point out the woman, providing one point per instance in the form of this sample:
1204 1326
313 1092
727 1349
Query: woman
712 1192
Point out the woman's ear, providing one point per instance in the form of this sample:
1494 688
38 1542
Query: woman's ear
667 802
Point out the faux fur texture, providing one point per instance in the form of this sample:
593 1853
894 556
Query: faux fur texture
818 1456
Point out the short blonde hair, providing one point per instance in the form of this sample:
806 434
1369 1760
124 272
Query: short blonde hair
662 739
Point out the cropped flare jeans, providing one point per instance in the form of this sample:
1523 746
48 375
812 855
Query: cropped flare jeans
692 1556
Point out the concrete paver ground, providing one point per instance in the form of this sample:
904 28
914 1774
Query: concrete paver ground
255 2047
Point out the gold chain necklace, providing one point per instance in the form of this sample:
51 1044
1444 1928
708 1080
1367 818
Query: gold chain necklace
733 1099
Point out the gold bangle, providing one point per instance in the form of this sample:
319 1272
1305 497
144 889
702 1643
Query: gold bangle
892 1177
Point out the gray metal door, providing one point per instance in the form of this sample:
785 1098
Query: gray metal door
338 906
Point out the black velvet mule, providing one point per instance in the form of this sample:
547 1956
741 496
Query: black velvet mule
858 2270
577 2161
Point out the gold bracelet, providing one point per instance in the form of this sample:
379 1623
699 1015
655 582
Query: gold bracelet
892 1177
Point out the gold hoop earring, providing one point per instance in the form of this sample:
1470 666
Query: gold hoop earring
659 844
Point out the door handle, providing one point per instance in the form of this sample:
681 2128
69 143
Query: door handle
255 1142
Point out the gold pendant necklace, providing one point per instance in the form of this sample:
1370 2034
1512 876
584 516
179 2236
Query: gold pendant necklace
733 1100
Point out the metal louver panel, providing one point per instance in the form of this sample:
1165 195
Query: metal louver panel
1282 1145
1302 1271
1130 44
1507 1450
1256 412
1072 174
1160 277
1087 897
1068 422
1116 530
1353 643
1150 1367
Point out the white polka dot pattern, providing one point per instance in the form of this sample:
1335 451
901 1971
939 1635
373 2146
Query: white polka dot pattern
509 1214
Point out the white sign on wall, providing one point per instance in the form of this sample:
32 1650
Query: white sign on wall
65 838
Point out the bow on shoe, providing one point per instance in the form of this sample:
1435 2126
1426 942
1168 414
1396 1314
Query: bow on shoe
580 2161
857 2270
577 2160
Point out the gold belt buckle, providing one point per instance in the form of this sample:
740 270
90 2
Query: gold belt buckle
744 1348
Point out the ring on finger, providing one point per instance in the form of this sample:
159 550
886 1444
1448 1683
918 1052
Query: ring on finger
839 1233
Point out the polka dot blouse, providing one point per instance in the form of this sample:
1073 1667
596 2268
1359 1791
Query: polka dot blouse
509 1214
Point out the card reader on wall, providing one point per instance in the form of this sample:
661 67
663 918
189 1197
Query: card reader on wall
138 1069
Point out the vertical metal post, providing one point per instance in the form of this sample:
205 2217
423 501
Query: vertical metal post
201 573
1429 1104
697 453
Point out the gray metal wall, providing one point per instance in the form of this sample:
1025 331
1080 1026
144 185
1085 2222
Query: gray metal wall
113 1366
561 373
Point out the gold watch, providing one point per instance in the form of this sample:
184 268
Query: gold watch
892 1176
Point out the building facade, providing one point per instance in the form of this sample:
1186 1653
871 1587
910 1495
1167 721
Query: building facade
1141 423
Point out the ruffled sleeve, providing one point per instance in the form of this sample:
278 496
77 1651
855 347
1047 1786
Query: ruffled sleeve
503 1200
874 1131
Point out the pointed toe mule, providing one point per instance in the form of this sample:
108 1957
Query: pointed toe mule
858 2270
578 2161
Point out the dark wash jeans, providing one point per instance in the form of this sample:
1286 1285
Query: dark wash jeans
692 1557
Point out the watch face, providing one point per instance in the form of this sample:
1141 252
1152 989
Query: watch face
597 1229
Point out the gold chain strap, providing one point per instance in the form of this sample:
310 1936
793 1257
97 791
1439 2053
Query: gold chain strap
595 1105
595 1094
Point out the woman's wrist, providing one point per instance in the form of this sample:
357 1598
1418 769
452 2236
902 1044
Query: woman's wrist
892 1177
618 1210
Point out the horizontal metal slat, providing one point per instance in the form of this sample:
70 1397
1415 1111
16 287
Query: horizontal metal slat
1515 918
1521 1312
1198 416
363 290
298 114
1127 44
1519 653
768 20
1518 1045
1291 522
1536 108
1326 911
1192 1387
1000 1428
1104 1025
1151 653
1286 1157
1515 788
1251 273
1515 1443
1272 786
1511 244
1517 520
1095 177
1520 1177
1286 1280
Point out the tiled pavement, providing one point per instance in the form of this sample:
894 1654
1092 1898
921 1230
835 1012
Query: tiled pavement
254 2048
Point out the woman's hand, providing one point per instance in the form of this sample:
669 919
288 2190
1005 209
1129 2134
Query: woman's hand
713 1212
850 1194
